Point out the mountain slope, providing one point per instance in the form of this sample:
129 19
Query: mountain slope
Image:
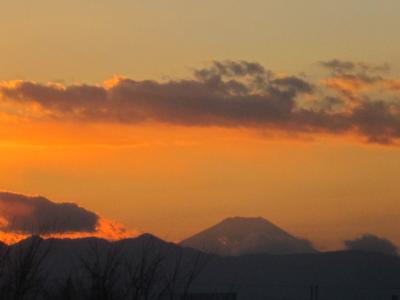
238 236
342 275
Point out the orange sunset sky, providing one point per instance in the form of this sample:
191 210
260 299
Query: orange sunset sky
168 116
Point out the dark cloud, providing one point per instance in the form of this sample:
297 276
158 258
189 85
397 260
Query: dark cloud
360 69
232 69
351 78
372 243
27 215
230 94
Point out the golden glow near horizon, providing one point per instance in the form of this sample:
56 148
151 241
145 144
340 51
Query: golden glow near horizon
175 181
324 183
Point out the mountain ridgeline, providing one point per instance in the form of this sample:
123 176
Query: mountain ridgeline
149 268
249 257
238 236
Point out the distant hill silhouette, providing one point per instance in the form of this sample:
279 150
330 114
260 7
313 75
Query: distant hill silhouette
239 235
340 275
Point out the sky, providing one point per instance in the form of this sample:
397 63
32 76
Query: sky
168 116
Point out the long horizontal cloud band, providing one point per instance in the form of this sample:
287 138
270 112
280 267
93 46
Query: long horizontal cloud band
354 98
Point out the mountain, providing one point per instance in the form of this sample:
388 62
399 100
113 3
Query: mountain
342 275
238 235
